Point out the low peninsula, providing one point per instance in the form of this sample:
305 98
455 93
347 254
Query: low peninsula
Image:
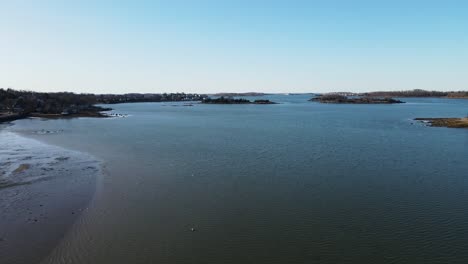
15 104
230 100
419 93
451 122
341 99
416 93
22 104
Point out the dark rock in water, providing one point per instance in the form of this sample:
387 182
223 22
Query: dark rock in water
62 158
263 102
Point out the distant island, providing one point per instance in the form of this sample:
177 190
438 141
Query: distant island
417 93
341 99
231 100
239 94
408 93
446 122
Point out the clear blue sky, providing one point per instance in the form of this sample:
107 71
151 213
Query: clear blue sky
213 46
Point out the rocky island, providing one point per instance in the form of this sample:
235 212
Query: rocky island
230 100
451 122
341 99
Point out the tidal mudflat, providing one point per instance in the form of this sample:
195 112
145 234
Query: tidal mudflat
43 189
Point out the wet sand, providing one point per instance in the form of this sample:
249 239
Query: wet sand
43 190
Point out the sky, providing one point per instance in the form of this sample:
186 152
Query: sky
209 46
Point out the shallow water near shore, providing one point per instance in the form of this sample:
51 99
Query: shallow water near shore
296 182
43 189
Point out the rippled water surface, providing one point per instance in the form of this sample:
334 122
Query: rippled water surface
296 182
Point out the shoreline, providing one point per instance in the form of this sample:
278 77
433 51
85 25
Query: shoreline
13 117
44 190
58 116
10 117
90 111
450 122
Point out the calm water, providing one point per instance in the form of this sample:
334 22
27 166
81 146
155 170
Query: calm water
297 182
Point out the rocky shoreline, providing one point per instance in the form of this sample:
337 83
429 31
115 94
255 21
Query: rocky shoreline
82 114
94 111
452 122
10 117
